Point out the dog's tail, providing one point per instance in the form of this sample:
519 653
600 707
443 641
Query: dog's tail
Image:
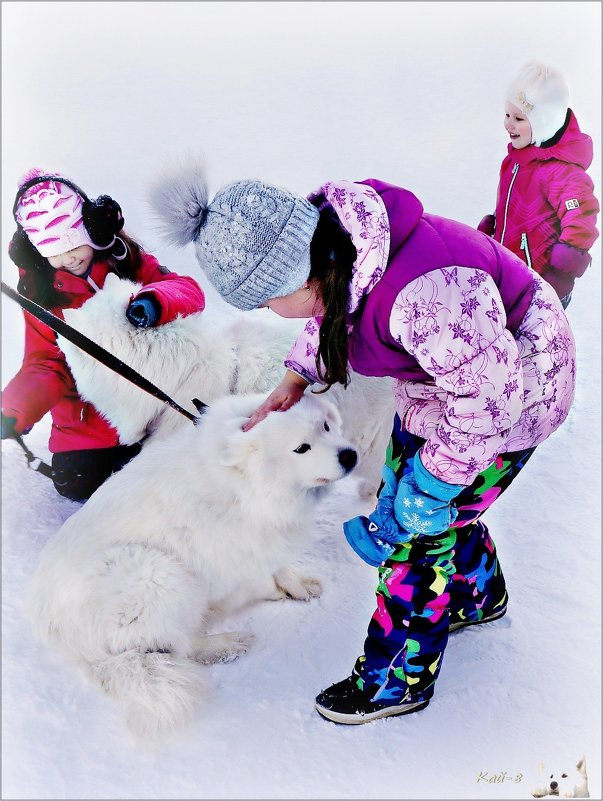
161 692
180 199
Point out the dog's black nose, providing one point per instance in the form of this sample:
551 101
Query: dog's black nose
348 459
554 785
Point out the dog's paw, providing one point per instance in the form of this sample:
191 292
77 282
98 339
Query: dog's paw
213 648
293 585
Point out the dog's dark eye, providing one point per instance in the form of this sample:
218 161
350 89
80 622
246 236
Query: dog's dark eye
302 448
327 427
564 775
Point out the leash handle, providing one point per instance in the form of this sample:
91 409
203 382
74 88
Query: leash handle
97 352
41 467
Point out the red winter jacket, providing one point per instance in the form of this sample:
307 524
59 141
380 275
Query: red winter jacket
546 212
44 382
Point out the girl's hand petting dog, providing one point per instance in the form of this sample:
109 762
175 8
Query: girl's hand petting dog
286 395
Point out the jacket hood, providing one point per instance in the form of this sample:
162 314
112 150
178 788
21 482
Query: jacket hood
404 210
574 147
379 218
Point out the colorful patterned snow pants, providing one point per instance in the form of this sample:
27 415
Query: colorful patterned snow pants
431 582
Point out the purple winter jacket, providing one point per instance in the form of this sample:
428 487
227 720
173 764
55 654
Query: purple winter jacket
478 345
420 243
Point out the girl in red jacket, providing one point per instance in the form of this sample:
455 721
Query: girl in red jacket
545 210
64 247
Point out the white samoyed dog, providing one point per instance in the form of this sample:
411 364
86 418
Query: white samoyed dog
205 356
569 783
200 524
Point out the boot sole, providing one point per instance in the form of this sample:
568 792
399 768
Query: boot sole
340 717
490 619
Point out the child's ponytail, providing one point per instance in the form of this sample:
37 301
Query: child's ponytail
332 255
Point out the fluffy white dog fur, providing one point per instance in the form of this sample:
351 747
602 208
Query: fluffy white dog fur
206 357
569 783
201 522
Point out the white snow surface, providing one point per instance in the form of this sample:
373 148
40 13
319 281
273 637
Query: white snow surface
296 94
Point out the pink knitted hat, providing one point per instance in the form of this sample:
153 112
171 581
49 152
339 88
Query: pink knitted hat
50 213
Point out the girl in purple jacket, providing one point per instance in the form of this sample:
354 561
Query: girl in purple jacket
546 211
483 364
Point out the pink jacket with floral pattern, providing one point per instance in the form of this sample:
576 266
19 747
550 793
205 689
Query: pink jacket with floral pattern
486 390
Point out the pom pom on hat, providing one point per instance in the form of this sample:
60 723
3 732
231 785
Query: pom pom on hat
180 199
541 93
34 172
50 213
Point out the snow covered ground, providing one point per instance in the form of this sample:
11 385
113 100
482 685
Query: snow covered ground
297 93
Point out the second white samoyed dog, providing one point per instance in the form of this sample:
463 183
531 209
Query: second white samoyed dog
569 783
204 521
205 356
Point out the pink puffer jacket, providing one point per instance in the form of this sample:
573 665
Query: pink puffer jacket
546 211
44 382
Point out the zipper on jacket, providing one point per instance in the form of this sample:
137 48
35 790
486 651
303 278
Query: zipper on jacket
93 283
524 246
514 174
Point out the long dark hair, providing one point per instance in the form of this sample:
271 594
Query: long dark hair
37 279
332 256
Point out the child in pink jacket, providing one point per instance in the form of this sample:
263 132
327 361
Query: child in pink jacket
65 246
545 210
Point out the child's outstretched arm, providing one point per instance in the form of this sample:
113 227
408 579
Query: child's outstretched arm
283 397
171 293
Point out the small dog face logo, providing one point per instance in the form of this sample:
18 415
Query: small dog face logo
570 783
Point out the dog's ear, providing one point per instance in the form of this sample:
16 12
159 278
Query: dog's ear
333 416
111 279
238 447
581 766
331 413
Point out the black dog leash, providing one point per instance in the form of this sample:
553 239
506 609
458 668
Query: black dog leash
33 461
99 353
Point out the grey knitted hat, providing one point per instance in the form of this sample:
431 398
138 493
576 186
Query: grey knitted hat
252 241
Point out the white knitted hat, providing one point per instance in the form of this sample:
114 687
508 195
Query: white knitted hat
540 91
